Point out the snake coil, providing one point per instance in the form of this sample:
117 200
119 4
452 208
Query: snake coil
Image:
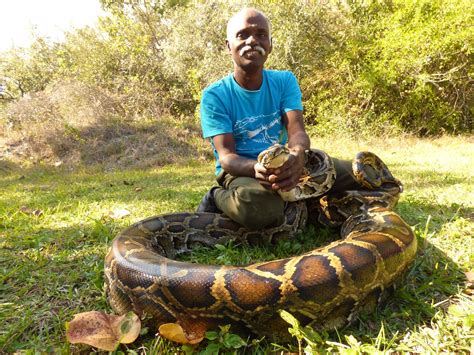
322 288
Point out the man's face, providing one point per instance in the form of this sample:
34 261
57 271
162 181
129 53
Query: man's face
249 41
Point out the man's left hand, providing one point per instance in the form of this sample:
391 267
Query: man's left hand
288 175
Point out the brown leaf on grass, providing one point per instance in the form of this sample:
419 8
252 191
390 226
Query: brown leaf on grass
103 331
118 213
174 332
470 282
469 276
31 211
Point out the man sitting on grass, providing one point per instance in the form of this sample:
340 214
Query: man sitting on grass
245 113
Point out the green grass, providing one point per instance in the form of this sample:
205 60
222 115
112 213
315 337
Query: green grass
52 265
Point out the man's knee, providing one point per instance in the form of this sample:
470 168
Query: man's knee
259 210
254 207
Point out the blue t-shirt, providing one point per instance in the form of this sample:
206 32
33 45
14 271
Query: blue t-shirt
254 117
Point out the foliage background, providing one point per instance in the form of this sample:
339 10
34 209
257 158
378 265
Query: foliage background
126 94
364 67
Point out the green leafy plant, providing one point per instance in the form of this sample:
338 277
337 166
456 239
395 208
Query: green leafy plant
219 342
304 335
463 314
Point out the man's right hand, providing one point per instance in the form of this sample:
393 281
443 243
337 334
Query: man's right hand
262 174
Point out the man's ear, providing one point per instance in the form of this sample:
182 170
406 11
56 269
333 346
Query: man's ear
227 43
271 45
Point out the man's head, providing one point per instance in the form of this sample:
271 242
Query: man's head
249 39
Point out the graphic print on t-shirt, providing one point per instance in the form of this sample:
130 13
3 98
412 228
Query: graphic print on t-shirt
259 129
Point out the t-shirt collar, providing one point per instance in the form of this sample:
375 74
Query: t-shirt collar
236 84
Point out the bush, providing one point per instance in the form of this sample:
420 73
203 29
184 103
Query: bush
406 66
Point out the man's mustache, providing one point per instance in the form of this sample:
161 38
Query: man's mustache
250 48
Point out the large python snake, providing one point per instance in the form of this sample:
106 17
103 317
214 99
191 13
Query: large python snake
322 288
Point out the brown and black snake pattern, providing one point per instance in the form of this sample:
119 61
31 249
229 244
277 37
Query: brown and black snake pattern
322 288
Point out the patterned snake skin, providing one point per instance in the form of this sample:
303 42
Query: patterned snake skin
322 288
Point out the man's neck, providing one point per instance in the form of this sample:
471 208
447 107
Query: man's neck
249 81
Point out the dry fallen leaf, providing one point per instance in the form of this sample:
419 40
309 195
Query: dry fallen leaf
470 282
103 331
174 332
469 276
118 213
28 210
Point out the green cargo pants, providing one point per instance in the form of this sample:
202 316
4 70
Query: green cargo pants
247 202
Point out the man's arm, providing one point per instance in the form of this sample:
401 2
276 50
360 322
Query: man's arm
288 175
236 165
298 140
285 177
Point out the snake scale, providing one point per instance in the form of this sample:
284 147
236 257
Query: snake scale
322 288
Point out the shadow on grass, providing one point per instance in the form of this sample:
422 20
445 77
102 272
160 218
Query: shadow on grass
8 167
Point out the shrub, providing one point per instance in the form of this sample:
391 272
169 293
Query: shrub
406 65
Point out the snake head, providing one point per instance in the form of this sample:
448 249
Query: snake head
274 157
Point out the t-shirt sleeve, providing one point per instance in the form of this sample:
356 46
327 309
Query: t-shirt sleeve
291 94
214 116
